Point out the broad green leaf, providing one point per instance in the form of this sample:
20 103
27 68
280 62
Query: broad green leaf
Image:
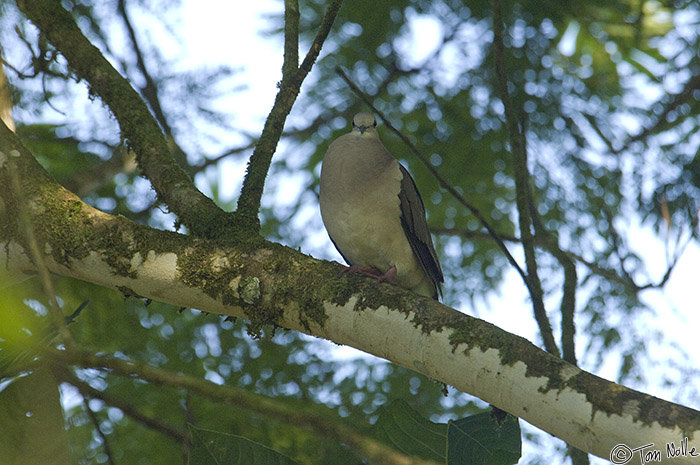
481 440
406 430
477 439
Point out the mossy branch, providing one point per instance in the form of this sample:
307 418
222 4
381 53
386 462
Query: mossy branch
196 211
293 76
300 293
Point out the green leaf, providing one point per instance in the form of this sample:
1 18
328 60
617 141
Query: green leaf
481 439
214 448
474 440
406 430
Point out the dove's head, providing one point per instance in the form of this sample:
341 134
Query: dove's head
365 123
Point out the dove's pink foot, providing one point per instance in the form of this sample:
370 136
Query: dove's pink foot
372 272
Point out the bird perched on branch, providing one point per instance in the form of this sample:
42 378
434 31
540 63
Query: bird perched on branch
374 214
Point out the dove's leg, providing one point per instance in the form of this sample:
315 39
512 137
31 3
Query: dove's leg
372 272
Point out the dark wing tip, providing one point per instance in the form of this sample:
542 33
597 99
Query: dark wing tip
415 226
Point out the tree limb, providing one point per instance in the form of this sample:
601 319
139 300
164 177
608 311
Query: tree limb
271 284
292 78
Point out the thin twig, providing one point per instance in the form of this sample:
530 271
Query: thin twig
527 218
678 99
474 235
671 266
522 180
443 183
150 92
103 437
253 141
617 243
545 239
606 273
188 418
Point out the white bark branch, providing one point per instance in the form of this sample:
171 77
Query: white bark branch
275 284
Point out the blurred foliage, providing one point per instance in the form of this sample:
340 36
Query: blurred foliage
608 93
33 429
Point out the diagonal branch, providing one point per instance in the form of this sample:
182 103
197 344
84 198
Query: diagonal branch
678 99
103 437
292 78
601 271
150 92
196 211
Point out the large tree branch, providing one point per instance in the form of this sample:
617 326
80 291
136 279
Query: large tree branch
269 283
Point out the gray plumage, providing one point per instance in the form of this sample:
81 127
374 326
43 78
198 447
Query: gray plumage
373 212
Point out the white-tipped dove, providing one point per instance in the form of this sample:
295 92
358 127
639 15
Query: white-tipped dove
374 214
